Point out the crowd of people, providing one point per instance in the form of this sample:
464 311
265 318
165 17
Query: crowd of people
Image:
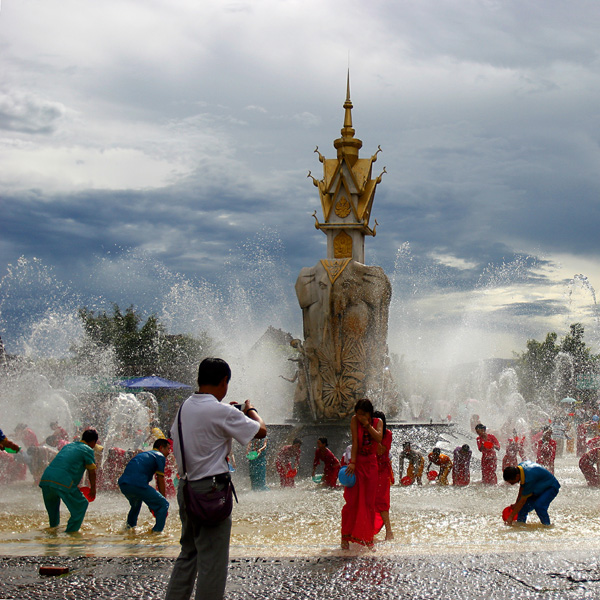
200 450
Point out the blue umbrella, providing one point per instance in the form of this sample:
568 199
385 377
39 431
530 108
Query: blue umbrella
152 382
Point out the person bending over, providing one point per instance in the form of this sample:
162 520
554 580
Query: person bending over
61 478
538 487
135 484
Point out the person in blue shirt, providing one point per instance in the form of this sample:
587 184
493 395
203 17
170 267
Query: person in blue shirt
134 484
61 478
538 487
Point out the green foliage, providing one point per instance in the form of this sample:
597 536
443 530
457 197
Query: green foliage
140 348
537 366
573 344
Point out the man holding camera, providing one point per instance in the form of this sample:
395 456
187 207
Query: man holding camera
208 428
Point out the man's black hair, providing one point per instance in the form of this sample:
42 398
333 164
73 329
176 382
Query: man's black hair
510 473
158 444
323 440
297 441
212 371
89 435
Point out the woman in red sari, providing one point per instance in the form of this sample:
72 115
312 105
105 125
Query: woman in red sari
358 514
546 450
332 464
385 477
487 444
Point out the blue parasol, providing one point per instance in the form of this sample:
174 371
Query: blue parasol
152 382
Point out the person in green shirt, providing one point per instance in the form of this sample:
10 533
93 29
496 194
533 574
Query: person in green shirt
61 478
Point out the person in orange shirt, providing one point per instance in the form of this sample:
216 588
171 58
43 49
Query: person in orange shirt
443 461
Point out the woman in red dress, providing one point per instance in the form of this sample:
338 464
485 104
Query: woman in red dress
385 477
546 450
487 444
461 465
358 514
287 461
332 464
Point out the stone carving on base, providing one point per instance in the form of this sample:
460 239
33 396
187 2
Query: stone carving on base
345 314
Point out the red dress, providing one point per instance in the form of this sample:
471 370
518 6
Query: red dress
546 453
461 467
170 470
283 463
29 438
384 480
358 514
488 459
588 465
332 466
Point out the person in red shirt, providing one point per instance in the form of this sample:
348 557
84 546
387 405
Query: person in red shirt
26 435
59 437
461 468
443 461
546 450
488 445
332 464
588 464
514 448
287 461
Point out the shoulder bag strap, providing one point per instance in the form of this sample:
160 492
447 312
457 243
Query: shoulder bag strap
181 441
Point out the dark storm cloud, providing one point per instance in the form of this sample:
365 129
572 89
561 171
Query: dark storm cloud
539 308
486 112
187 228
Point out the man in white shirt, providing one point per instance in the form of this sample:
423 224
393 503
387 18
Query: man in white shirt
208 429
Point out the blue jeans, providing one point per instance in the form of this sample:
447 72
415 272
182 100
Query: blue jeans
540 504
156 502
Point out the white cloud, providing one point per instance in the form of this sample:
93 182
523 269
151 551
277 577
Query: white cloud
65 169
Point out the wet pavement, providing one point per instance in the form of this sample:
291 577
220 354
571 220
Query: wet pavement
535 575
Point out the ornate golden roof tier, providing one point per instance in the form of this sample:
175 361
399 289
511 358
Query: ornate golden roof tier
347 191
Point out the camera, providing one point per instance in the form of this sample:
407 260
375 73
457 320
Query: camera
238 406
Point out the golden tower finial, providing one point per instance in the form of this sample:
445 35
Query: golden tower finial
348 146
347 130
347 191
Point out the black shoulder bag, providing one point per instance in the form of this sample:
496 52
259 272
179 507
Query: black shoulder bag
212 507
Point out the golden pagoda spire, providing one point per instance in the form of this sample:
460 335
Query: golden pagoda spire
347 191
348 146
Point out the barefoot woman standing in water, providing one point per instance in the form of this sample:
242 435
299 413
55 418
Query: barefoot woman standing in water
358 514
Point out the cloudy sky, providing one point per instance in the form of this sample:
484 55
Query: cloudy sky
155 153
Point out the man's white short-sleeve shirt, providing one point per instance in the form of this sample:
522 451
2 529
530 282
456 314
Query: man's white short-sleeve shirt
208 427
